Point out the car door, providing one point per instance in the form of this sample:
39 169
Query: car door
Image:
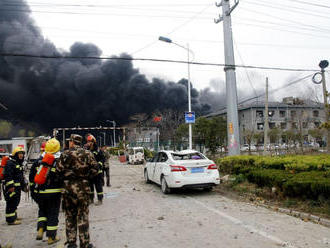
151 167
161 163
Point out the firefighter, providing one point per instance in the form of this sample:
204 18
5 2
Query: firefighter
49 188
14 183
97 181
33 171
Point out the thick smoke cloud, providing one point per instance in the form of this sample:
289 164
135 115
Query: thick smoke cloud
71 92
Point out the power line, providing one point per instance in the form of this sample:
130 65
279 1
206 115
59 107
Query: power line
154 60
287 8
174 29
272 91
286 20
311 4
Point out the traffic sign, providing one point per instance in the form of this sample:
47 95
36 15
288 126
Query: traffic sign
189 117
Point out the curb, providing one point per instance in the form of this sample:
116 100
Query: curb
301 215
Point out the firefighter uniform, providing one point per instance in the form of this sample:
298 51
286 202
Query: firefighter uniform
48 194
98 181
13 184
32 184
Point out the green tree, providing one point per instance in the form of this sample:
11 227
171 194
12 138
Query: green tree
274 135
21 132
5 128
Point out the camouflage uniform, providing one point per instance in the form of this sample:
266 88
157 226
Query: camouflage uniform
77 165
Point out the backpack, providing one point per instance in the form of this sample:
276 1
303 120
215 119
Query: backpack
42 173
2 167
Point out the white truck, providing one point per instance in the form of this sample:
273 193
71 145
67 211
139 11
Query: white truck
135 155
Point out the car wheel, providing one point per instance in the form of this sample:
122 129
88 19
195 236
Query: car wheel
146 177
208 189
163 185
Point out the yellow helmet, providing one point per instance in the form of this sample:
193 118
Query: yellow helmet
18 149
52 146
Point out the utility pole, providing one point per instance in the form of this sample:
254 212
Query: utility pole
231 88
324 64
266 124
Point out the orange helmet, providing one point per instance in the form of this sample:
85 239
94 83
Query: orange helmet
91 138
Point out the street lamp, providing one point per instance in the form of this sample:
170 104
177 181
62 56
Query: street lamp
168 40
103 137
114 132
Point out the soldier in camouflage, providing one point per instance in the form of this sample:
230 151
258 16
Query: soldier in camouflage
77 165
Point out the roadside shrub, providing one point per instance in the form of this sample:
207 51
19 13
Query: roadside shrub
269 177
294 164
311 184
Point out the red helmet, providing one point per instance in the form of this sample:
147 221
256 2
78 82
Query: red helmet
91 138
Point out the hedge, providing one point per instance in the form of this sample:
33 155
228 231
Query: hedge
305 184
237 164
297 176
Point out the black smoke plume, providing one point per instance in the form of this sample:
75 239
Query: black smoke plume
72 92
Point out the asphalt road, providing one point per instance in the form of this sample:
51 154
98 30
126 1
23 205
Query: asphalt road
135 214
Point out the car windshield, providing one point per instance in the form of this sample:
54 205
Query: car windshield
138 150
188 156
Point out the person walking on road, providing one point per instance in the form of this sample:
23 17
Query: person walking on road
48 192
106 167
77 165
98 181
14 184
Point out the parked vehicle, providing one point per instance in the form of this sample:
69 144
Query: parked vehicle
184 169
245 148
135 155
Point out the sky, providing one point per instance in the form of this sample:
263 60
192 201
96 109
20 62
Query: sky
282 33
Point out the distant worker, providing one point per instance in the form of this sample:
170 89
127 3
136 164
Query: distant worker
106 167
48 190
76 166
97 182
14 183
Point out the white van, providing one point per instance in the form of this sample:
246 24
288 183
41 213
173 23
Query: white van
135 155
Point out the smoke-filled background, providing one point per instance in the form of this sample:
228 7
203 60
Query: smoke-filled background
57 92
71 92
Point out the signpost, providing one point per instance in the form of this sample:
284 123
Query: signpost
189 117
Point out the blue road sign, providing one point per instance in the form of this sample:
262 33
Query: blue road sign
189 117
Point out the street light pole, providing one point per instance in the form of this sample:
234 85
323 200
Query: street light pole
114 132
165 39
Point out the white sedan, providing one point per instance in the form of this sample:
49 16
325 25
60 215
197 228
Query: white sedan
184 169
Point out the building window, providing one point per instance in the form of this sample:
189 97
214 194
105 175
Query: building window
315 113
139 140
146 139
272 125
317 124
242 116
271 113
305 125
282 113
293 113
260 113
294 125
283 125
243 127
260 126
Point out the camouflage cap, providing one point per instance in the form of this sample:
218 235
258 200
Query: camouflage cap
76 138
